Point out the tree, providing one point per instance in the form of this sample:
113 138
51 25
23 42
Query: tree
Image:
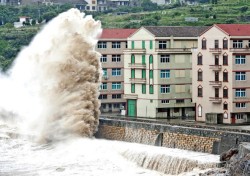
48 16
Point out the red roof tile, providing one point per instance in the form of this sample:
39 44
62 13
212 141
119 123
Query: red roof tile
235 29
116 33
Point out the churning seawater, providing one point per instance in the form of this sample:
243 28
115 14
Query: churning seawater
49 112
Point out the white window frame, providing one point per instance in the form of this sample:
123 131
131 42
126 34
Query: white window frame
165 58
162 44
165 74
104 86
165 89
103 58
240 59
116 96
116 58
116 85
102 44
240 92
240 76
116 44
237 43
165 101
116 72
240 105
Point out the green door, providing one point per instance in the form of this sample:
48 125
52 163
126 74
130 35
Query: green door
132 108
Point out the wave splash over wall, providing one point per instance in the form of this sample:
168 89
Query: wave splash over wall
53 83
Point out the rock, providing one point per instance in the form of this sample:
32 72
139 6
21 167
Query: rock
226 156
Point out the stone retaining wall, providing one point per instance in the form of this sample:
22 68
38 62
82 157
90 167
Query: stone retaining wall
188 138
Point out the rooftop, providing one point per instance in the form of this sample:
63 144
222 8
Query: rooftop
235 29
176 31
116 33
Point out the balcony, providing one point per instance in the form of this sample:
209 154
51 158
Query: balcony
135 51
240 50
137 65
215 67
173 50
130 96
215 50
138 80
216 100
215 83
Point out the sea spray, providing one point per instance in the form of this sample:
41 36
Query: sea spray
55 80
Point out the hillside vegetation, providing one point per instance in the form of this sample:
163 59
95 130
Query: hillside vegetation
216 11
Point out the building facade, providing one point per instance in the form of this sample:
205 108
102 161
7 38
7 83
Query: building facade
157 69
221 75
111 45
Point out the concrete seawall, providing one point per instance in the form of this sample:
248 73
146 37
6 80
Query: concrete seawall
214 141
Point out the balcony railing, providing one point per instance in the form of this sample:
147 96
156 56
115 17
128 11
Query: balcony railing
215 50
239 50
215 67
137 80
135 51
215 83
217 100
173 50
137 65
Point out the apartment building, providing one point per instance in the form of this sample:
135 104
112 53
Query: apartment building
221 74
111 45
158 71
91 5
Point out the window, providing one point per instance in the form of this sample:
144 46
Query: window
132 73
225 115
216 60
225 106
225 93
199 111
143 88
116 86
180 101
199 60
132 88
104 86
239 116
240 59
151 89
143 59
162 44
216 92
116 58
200 75
165 89
116 105
237 43
165 58
93 7
225 60
151 44
248 43
165 74
240 92
103 58
143 73
143 44
150 59
204 44
240 105
165 101
151 74
240 76
216 43
133 44
116 96
200 92
103 96
132 59
116 72
102 45
225 76
216 76
126 44
225 43
104 72
103 106
116 44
